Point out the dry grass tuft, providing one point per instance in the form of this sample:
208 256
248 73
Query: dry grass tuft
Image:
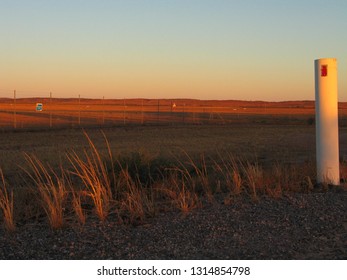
77 206
136 202
180 189
94 175
6 204
254 178
229 169
51 188
195 174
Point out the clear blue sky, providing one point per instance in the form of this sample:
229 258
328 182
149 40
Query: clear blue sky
207 49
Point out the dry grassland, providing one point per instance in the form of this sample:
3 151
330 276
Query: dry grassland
133 185
196 161
128 174
57 113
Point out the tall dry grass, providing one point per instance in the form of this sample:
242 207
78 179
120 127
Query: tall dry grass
179 188
92 171
229 168
77 206
254 178
136 201
240 176
6 204
51 188
139 186
194 177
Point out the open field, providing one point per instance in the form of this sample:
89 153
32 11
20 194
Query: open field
266 143
166 189
58 113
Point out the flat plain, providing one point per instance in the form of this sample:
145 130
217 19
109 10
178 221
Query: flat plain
294 220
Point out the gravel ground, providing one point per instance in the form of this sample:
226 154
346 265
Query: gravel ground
297 226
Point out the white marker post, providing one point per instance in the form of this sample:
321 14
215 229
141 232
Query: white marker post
327 134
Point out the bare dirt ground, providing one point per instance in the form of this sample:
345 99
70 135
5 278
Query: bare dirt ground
296 226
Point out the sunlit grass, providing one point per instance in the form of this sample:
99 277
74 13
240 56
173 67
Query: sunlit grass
135 188
93 173
6 204
51 188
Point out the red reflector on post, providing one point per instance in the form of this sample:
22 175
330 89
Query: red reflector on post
324 71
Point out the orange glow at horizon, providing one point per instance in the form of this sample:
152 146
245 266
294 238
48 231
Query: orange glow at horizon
155 49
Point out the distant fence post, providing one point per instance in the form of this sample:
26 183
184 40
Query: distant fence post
171 112
14 110
103 110
158 120
142 111
79 110
124 111
50 109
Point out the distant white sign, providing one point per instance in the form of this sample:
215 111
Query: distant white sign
39 107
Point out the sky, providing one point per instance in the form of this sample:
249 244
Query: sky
204 49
